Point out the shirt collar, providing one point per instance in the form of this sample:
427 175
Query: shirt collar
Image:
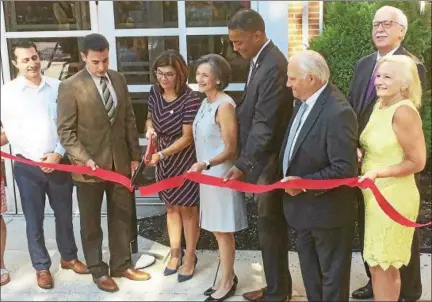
391 52
24 83
259 52
98 79
314 97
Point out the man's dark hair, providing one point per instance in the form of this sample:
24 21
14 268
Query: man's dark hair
21 43
94 42
247 20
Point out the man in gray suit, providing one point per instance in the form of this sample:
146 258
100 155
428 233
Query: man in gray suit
320 143
262 116
97 127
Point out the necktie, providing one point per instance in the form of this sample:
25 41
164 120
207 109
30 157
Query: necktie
251 71
107 99
371 86
293 131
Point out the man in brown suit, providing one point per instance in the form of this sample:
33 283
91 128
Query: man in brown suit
96 126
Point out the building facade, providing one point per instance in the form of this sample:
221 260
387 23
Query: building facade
138 31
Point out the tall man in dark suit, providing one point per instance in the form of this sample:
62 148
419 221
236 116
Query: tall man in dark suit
320 143
97 127
262 116
388 31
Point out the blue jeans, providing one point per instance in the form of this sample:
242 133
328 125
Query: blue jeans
34 185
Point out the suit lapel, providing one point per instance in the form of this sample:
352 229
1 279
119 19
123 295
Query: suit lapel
311 118
260 58
93 92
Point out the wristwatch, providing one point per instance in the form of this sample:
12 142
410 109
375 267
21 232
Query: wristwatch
161 156
207 164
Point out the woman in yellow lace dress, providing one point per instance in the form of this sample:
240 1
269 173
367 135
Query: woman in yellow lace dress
394 147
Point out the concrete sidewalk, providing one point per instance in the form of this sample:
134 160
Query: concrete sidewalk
72 287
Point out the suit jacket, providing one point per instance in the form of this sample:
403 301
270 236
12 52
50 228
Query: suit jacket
263 113
325 149
360 82
84 128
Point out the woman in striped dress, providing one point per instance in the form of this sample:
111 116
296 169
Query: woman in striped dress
172 108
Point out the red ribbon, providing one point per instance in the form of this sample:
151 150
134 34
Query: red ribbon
177 181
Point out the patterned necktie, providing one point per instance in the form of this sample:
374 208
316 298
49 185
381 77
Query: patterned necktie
293 131
107 99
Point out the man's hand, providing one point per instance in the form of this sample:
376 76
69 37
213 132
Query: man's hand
91 164
134 166
233 173
292 192
197 167
50 158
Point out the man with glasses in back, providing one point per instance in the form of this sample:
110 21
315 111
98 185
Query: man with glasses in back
389 28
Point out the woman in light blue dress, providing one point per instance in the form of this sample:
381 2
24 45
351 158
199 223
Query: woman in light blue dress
222 210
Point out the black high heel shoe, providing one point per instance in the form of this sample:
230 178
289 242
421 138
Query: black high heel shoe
211 290
183 278
168 271
229 294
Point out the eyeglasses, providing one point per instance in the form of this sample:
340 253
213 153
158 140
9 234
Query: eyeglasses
385 24
166 75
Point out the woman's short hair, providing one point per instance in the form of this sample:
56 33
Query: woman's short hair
220 69
408 73
174 59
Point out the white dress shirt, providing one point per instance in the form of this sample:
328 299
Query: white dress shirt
391 52
97 81
310 103
29 117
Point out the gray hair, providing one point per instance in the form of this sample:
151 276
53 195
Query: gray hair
401 18
311 62
220 68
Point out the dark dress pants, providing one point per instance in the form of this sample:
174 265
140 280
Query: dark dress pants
34 185
325 262
273 236
119 206
411 286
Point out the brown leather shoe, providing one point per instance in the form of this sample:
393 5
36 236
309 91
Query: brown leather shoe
75 265
106 283
255 296
44 279
132 274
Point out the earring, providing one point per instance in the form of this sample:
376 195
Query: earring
218 82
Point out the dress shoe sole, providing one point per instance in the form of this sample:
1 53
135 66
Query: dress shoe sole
51 286
122 276
107 290
79 273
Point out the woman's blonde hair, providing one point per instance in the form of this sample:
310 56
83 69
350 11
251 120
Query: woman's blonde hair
409 76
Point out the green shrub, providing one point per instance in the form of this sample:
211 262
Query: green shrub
347 37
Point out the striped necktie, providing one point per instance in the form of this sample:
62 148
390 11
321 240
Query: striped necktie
107 99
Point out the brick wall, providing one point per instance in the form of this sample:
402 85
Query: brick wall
295 24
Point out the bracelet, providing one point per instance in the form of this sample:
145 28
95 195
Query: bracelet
161 156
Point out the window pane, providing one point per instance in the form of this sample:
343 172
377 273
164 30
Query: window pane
46 15
145 14
139 104
59 56
212 13
236 95
135 56
220 44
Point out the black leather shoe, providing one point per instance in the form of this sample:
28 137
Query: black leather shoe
229 294
211 290
363 293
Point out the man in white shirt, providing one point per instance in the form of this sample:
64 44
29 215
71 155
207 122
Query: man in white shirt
28 115
389 28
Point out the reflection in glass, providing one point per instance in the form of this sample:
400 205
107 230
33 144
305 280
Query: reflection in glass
135 56
59 56
145 14
46 15
220 44
212 13
139 104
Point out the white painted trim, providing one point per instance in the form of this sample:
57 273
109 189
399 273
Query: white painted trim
94 23
305 24
139 88
105 11
5 64
321 17
147 32
206 31
47 34
230 87
181 10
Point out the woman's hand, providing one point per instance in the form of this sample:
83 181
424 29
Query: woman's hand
155 159
197 167
151 132
371 174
